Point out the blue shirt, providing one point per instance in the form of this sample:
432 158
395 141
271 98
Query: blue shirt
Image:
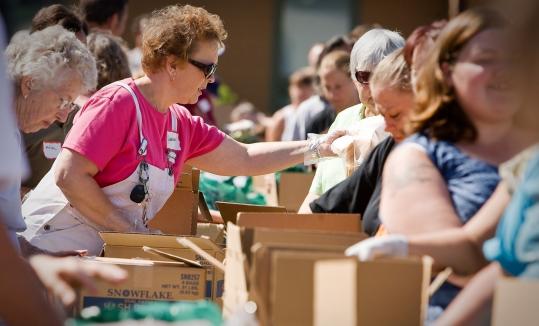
516 244
470 181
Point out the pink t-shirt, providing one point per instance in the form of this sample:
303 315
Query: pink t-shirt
105 131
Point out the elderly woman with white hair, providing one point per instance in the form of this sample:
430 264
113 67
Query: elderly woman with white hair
49 69
31 61
367 52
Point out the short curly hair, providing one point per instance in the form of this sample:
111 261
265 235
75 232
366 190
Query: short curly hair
437 112
175 30
48 56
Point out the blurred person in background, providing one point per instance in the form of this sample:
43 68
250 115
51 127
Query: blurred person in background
300 88
203 108
105 15
135 54
357 32
316 104
323 120
314 53
110 58
337 88
60 15
248 124
367 52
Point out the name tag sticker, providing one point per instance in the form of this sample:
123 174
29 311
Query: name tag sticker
173 142
51 150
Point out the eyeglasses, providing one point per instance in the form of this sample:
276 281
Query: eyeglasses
66 104
207 69
363 77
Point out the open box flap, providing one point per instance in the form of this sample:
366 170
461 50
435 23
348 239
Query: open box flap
153 240
167 255
229 211
322 222
136 262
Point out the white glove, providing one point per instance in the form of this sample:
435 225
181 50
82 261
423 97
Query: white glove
390 245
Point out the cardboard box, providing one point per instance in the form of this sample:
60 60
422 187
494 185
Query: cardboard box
381 292
282 278
214 232
266 185
229 211
147 280
293 188
241 240
323 222
189 178
515 302
252 236
129 245
179 215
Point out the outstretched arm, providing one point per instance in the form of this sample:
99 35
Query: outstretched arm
235 158
461 248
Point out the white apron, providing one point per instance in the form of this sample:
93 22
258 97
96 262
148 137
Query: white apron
53 224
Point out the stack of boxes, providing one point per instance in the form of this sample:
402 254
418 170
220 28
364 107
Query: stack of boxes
292 266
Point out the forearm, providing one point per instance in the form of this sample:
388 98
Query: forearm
83 193
473 305
268 157
234 158
28 292
449 248
461 248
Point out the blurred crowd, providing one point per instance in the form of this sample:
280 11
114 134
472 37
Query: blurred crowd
432 138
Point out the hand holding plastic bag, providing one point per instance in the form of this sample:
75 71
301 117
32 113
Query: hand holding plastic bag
320 146
395 245
359 140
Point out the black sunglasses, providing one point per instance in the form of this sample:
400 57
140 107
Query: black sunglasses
363 77
207 69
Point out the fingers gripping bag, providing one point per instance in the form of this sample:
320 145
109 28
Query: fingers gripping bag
354 147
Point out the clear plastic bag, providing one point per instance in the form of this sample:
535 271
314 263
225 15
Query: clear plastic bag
354 147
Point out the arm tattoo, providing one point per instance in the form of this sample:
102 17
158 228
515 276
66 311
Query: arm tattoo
410 174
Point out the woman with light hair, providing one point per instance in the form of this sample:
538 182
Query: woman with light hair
360 193
125 153
367 52
49 69
44 146
336 88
